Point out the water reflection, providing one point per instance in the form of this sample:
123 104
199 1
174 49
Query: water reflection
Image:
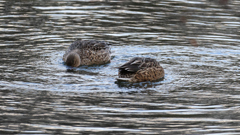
196 42
123 84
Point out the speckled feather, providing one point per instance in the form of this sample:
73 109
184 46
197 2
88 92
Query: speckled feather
140 69
90 51
89 45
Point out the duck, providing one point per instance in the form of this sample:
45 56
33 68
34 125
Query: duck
87 52
140 69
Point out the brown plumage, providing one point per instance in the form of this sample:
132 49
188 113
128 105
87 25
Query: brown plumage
87 52
140 69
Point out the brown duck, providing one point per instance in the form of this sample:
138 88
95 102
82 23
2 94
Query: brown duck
140 69
87 52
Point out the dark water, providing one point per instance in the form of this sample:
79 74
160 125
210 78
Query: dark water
197 43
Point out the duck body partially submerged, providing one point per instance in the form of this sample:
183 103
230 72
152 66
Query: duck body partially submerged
87 52
140 69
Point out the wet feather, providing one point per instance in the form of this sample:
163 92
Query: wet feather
140 69
89 51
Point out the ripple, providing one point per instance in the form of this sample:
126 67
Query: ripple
196 42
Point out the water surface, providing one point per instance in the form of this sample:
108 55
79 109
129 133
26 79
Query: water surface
197 43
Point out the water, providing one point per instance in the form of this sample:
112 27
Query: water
197 43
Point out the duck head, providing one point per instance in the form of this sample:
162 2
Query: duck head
73 59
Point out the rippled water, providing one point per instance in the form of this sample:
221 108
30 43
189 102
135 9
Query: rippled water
197 43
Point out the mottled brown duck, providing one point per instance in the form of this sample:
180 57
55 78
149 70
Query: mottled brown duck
140 69
87 52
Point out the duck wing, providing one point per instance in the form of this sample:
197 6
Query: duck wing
138 63
132 66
